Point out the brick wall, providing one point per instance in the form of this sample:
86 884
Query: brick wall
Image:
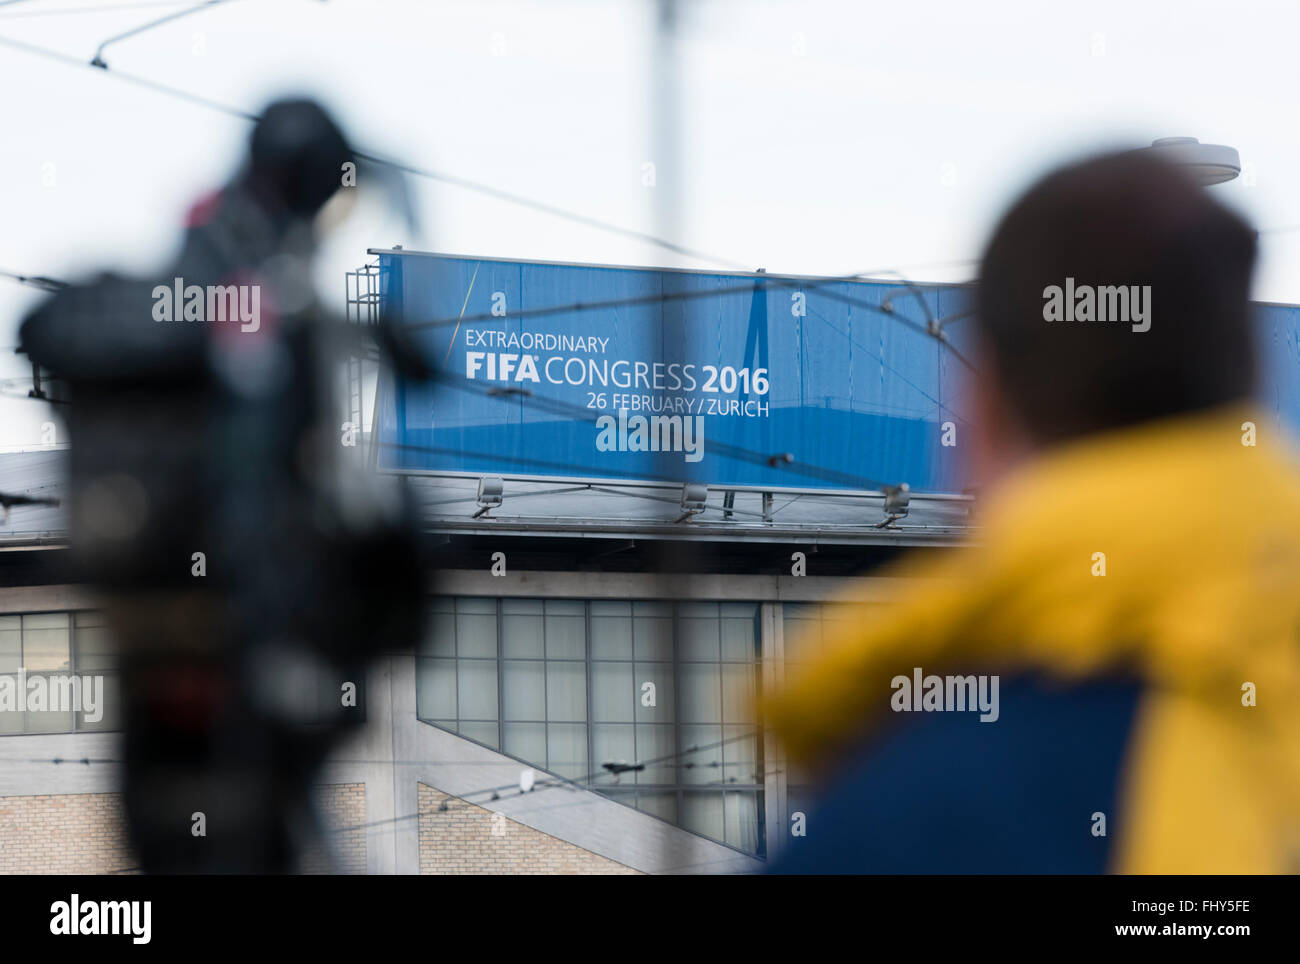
468 839
85 833
343 811
71 833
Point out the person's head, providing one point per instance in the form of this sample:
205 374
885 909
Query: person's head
1131 239
296 157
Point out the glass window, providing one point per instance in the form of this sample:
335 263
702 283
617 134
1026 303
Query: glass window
653 705
613 697
739 689
701 692
611 630
652 630
522 629
741 819
527 741
566 691
702 813
435 689
476 628
476 689
106 705
566 750
440 635
11 643
93 643
740 755
665 690
566 629
49 704
660 804
71 681
613 743
11 721
656 746
46 642
739 632
485 733
701 759
523 689
700 629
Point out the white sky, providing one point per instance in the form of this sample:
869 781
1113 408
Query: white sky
817 137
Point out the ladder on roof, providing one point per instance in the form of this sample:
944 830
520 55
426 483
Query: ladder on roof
362 302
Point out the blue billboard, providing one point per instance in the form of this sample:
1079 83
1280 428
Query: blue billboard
633 374
732 380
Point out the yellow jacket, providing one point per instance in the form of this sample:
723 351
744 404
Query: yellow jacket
1168 552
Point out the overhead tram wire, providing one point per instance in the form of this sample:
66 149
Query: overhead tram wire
509 197
929 330
666 297
793 283
547 208
144 82
932 329
583 783
517 199
578 412
557 406
549 781
428 173
581 413
98 59
561 407
453 180
35 281
560 781
101 9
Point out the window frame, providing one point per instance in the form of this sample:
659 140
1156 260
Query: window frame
678 789
73 670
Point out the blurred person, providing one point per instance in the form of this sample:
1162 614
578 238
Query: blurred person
247 562
1125 634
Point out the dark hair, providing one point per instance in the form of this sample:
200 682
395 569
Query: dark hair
297 153
1118 220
